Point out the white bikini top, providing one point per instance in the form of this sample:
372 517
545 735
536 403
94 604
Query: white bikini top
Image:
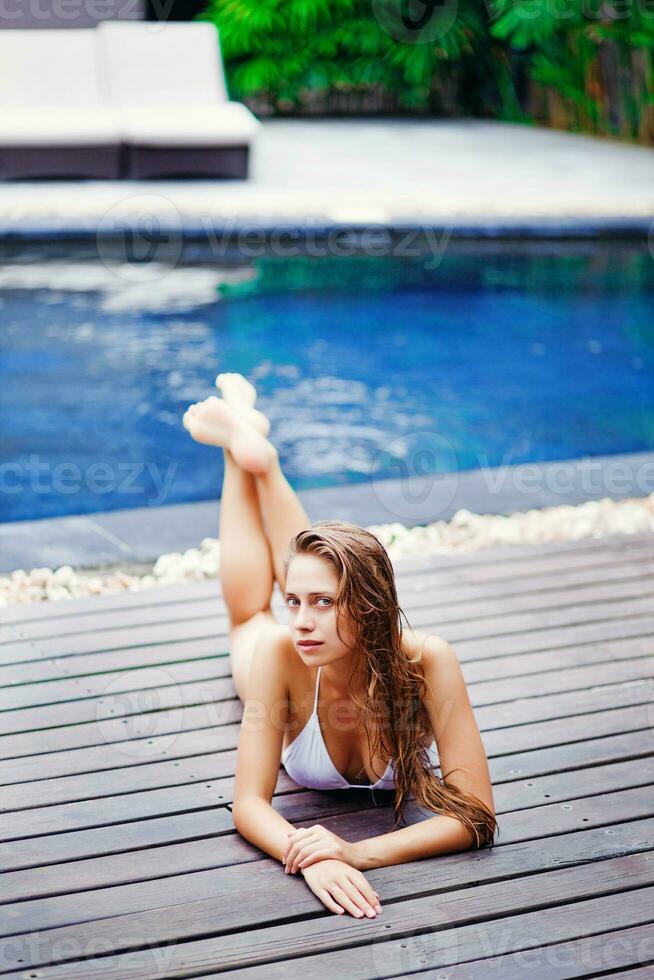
309 764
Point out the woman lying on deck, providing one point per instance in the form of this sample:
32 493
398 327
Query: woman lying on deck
345 656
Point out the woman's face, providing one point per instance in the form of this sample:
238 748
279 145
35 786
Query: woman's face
311 586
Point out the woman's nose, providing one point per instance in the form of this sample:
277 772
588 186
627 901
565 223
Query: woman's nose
303 620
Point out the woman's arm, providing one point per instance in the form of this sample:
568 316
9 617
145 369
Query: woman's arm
261 736
340 886
462 760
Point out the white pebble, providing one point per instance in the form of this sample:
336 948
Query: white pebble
64 575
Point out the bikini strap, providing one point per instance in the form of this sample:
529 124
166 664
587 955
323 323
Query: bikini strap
315 699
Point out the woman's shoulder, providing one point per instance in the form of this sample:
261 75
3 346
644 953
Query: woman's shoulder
277 637
280 639
424 647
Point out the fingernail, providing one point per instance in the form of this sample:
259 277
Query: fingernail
370 913
378 908
358 913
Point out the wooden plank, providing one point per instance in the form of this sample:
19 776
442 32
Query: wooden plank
591 955
643 973
122 837
315 938
491 626
68 689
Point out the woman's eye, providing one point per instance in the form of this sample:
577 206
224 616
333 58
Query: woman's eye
291 602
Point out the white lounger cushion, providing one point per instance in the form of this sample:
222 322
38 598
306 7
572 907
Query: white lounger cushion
157 64
29 126
50 89
169 83
228 124
49 67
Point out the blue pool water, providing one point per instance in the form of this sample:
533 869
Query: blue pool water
367 367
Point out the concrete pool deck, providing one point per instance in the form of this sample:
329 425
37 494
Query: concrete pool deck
141 535
469 176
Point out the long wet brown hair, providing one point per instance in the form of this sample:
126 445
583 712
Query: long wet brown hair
395 685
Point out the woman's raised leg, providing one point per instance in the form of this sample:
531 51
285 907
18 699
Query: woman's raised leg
260 512
246 572
282 511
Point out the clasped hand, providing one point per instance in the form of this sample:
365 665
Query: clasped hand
306 845
330 867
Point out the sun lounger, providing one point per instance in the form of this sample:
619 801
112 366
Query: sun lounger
168 83
54 120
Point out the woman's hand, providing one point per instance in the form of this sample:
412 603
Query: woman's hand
342 889
307 845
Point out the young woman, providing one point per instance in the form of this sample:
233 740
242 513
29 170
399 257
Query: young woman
343 696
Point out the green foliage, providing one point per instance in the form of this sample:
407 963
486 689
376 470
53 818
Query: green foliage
589 53
285 51
504 58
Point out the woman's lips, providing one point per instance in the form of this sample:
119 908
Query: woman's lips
309 644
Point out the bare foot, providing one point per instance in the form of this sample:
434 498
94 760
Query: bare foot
238 392
216 423
236 389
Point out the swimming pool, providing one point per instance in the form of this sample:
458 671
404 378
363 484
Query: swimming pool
367 366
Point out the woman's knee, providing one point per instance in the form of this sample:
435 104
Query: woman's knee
246 621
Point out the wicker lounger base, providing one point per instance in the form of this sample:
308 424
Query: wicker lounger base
186 161
97 162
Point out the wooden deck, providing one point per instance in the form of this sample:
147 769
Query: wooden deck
118 854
